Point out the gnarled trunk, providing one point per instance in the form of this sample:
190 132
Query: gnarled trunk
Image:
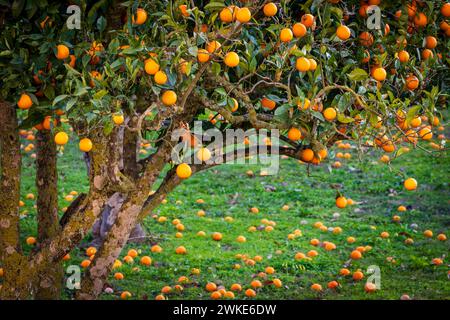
127 218
50 282
15 285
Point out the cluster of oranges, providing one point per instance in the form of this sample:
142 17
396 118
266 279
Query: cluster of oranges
303 64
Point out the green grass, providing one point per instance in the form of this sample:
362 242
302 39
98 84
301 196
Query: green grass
227 191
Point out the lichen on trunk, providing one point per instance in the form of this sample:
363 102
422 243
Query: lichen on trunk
12 261
50 282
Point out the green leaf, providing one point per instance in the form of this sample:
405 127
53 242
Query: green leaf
116 64
193 51
49 92
412 112
214 5
100 94
282 109
80 91
101 23
281 113
113 46
373 119
59 99
71 103
358 75
107 127
17 7
318 115
221 91
253 64
344 102
6 53
400 152
342 118
216 67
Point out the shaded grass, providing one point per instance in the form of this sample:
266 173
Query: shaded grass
227 191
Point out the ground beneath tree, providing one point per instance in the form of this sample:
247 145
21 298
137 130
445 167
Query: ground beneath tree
219 201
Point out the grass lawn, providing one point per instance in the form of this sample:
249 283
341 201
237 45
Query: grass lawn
228 192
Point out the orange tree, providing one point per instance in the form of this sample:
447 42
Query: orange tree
142 69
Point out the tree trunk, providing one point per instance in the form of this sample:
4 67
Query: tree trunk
12 260
50 282
128 145
127 218
81 217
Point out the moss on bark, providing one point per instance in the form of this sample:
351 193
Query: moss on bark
49 283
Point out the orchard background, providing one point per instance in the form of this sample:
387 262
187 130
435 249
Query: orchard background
88 177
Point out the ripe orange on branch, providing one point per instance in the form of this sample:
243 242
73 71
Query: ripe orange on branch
445 9
183 8
286 35
412 82
379 74
169 98
227 14
243 15
160 77
118 119
183 171
61 138
299 30
270 9
307 20
268 104
24 102
203 55
294 134
430 42
85 145
151 66
302 64
366 39
62 52
403 56
231 59
343 32
203 154
425 133
140 17
330 114
213 46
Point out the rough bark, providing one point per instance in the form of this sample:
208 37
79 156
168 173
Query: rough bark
73 207
50 282
127 218
130 152
103 181
11 258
